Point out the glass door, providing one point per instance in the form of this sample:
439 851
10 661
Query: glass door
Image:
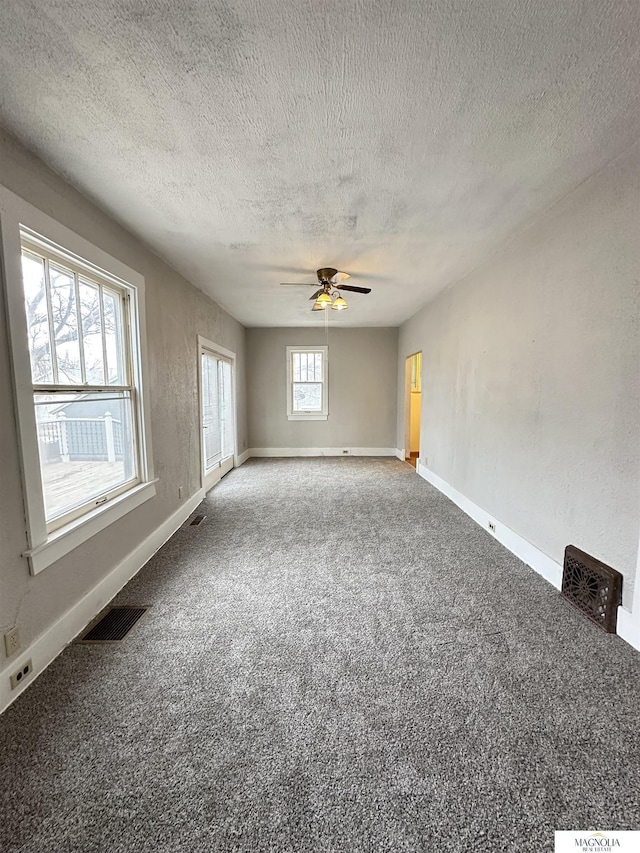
216 402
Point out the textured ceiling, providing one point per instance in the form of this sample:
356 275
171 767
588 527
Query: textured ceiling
401 141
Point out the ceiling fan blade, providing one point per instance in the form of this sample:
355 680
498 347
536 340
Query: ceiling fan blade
298 283
317 293
353 289
339 276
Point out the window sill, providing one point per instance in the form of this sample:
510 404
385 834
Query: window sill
308 417
64 540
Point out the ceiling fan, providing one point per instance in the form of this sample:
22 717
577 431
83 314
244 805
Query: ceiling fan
328 294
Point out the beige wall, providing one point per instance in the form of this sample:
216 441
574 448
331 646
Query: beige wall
176 314
362 389
530 396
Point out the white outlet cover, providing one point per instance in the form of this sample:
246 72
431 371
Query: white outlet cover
12 641
21 675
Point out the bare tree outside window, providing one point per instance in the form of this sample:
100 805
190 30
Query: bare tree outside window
62 322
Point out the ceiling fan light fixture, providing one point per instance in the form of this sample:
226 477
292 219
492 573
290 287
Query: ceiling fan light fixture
330 292
339 304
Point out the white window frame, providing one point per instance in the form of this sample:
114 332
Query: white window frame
308 416
45 546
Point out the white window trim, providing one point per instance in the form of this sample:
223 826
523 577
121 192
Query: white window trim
46 548
309 416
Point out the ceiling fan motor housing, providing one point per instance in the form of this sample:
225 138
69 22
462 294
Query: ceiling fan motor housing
326 274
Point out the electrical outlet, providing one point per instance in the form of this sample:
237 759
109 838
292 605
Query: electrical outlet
12 641
180 492
21 674
492 527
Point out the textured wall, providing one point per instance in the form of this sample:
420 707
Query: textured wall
531 400
362 388
176 314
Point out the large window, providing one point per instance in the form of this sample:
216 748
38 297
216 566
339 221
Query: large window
307 383
77 338
83 383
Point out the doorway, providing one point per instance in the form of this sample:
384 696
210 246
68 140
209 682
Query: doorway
412 408
217 411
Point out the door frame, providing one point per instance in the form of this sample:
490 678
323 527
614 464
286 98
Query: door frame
207 346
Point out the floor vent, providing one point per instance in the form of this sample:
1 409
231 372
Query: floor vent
197 520
114 626
592 587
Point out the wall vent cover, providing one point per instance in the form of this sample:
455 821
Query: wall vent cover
592 587
114 626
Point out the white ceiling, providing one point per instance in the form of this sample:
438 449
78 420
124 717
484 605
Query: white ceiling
251 141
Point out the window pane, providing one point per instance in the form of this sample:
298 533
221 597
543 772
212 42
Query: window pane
112 313
65 325
91 332
226 410
35 301
87 447
307 397
307 366
210 411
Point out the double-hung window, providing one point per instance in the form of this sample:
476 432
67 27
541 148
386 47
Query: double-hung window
307 386
83 385
77 349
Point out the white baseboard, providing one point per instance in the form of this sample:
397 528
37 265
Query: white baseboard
628 628
629 620
242 458
48 646
524 550
400 454
322 451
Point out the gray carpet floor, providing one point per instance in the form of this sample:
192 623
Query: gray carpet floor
337 659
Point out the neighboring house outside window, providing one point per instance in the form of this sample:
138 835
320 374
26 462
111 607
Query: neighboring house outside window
75 318
307 385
